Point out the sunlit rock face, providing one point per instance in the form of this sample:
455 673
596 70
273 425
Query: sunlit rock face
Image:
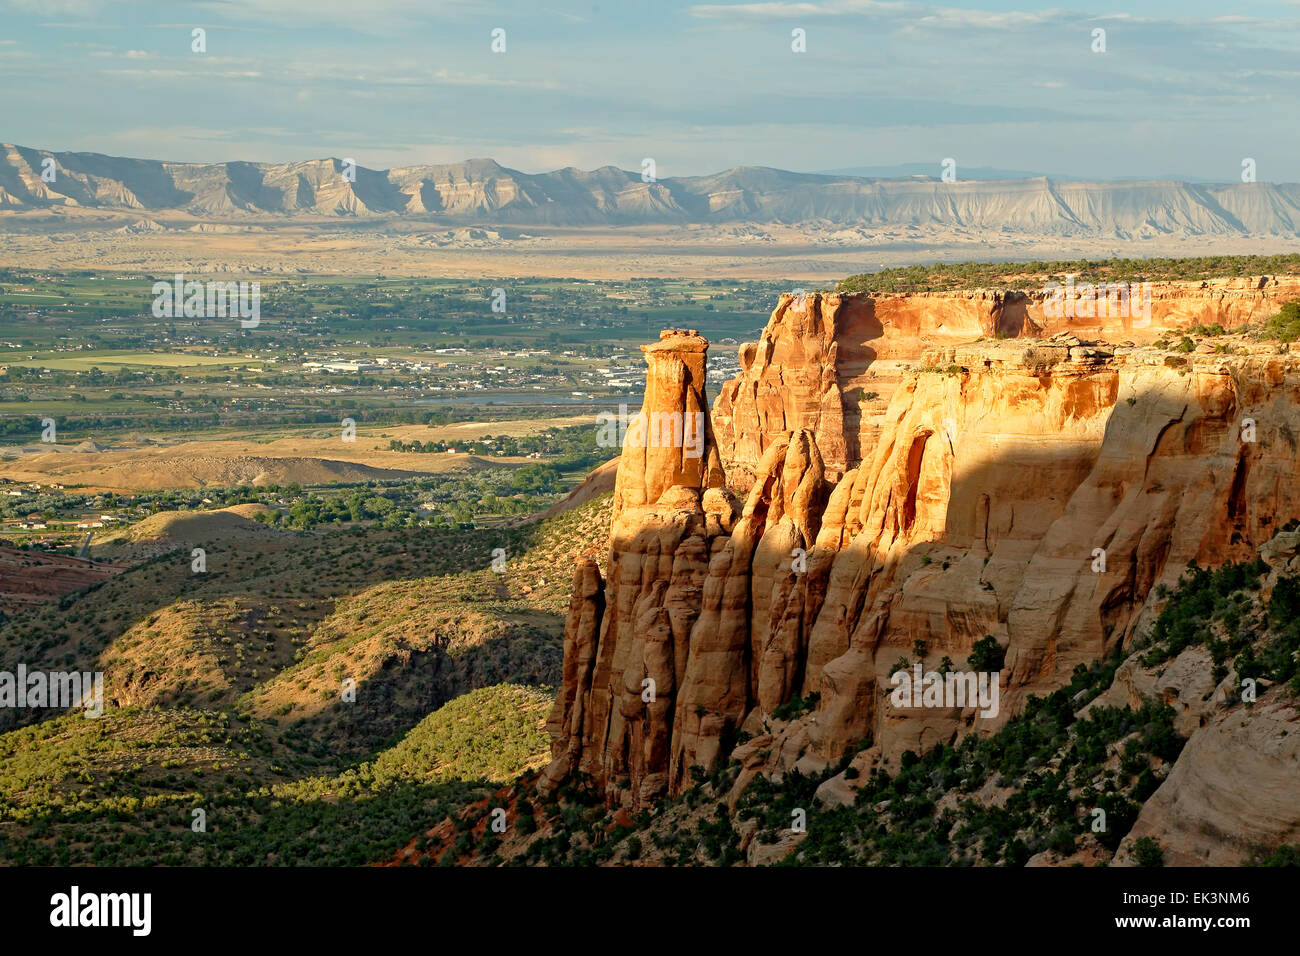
1034 486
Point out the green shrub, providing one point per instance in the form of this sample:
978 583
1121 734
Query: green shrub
1285 326
1148 852
986 655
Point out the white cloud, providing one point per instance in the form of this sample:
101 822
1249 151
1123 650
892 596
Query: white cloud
56 7
369 16
172 74
916 14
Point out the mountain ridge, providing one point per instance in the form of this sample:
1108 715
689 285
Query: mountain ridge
481 190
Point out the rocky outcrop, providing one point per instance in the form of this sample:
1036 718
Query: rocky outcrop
626 649
830 362
670 443
1231 793
1033 490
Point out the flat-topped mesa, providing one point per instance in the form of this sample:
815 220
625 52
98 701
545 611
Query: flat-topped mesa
830 362
670 444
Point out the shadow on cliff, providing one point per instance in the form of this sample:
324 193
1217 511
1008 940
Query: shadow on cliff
1051 546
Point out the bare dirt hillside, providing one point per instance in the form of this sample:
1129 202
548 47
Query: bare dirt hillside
188 472
29 577
599 482
236 522
319 456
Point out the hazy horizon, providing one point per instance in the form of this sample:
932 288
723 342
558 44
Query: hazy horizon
1182 90
901 170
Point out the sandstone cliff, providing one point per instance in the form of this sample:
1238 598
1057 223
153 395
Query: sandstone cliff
830 363
1034 488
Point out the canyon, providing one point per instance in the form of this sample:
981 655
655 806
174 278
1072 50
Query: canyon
1035 480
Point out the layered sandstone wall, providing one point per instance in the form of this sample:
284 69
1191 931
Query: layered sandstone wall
830 362
998 473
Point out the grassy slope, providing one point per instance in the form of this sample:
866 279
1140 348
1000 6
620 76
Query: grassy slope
232 679
123 790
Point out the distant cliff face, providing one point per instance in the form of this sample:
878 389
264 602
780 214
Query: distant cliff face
481 191
1034 489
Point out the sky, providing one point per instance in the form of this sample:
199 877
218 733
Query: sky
1184 89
